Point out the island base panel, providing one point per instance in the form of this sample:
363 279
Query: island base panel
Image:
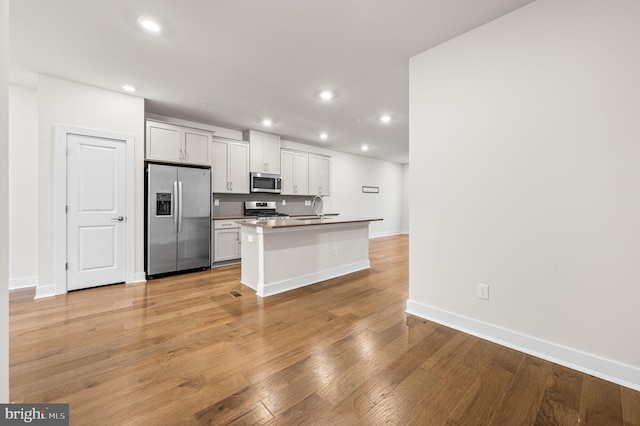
277 260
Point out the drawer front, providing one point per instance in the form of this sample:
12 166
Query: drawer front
225 224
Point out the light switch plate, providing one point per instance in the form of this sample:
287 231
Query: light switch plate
483 291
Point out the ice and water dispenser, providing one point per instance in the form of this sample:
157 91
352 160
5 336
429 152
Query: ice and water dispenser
163 204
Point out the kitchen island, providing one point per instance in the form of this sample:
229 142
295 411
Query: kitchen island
283 254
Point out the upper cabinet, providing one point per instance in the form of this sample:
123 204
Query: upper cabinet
319 175
230 167
176 144
304 173
294 166
264 152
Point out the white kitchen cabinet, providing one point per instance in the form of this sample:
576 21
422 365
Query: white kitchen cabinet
319 175
226 240
230 167
176 144
287 172
264 152
294 168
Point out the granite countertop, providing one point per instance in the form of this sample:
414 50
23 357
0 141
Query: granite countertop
303 221
231 217
251 217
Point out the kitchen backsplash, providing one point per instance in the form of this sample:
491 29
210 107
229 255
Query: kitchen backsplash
233 204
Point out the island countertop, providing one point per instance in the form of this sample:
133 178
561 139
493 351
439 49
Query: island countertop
304 221
243 217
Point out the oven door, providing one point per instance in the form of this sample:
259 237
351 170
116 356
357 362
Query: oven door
265 182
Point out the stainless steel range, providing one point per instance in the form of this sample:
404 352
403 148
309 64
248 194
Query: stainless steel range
263 210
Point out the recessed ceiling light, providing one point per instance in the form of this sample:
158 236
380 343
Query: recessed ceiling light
128 88
326 95
324 136
149 25
385 118
267 122
364 147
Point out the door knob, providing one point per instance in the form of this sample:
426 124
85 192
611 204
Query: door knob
119 218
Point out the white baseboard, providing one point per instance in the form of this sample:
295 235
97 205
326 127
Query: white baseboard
140 277
45 291
384 234
25 282
50 290
297 282
606 369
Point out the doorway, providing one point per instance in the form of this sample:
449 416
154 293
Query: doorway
94 206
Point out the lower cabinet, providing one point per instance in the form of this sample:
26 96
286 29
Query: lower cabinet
226 240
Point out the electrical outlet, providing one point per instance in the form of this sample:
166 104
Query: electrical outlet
216 202
483 291
284 202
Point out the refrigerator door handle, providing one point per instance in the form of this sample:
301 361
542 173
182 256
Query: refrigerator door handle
175 207
179 207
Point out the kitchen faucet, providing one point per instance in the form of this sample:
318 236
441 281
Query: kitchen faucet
313 203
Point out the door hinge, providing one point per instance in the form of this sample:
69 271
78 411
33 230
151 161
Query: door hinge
66 266
66 209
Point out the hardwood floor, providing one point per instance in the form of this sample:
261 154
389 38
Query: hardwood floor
182 350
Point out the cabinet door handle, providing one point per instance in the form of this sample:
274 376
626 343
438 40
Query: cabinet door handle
231 183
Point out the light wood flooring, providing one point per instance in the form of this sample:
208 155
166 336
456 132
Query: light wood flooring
182 351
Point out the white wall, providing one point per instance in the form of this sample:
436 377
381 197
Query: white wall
23 186
405 198
526 132
73 104
349 173
4 196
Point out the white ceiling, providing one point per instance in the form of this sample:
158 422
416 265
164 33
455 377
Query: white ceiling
233 62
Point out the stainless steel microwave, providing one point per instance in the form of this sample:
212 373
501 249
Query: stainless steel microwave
265 182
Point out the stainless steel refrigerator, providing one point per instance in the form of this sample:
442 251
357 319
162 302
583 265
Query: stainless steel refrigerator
178 231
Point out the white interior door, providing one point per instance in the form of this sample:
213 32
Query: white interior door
96 211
